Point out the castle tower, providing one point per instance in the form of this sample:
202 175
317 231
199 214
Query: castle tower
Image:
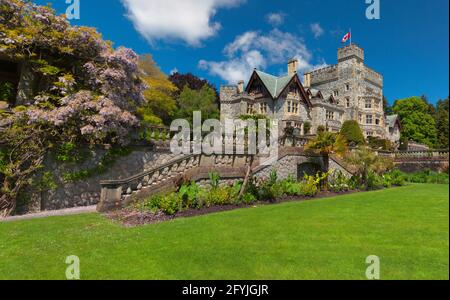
351 52
357 87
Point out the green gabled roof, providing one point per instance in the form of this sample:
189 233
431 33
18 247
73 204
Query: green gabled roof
390 120
275 85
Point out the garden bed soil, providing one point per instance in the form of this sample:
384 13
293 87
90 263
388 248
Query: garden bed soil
131 217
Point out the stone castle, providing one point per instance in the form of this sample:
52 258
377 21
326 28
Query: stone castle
327 98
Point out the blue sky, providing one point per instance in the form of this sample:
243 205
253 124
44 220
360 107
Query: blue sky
223 40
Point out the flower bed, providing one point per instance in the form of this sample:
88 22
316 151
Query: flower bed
193 200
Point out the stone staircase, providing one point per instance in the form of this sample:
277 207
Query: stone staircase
167 177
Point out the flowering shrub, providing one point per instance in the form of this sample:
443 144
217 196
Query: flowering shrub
86 87
85 91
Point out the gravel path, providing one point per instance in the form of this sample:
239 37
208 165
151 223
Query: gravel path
52 213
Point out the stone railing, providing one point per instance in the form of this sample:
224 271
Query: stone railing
118 193
334 123
417 155
295 141
428 154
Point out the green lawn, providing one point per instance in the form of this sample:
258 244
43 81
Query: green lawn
324 239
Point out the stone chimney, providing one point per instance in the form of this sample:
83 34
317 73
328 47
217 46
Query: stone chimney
307 80
240 87
292 66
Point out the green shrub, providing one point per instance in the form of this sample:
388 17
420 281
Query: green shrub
214 179
171 204
152 204
309 186
248 199
6 91
268 192
428 176
352 132
273 177
380 144
338 182
220 196
394 178
307 127
189 195
321 129
374 181
290 187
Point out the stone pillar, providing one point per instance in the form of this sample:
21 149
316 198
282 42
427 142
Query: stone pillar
110 198
302 129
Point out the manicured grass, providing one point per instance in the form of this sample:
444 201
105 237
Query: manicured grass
323 239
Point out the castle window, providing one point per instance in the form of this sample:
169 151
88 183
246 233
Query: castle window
336 93
377 121
369 119
348 102
295 108
292 107
289 106
347 87
360 118
369 133
263 108
368 103
250 110
330 115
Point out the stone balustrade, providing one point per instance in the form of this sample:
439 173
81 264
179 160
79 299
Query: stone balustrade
429 154
421 154
118 193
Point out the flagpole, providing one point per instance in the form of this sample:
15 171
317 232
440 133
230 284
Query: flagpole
351 35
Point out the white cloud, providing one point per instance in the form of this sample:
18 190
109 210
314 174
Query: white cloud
275 19
173 71
317 30
186 20
235 69
254 49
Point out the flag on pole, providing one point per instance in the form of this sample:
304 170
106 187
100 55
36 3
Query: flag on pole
346 37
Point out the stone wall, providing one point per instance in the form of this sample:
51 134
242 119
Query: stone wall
87 191
289 166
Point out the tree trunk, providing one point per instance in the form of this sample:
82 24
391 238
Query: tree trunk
326 164
247 177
